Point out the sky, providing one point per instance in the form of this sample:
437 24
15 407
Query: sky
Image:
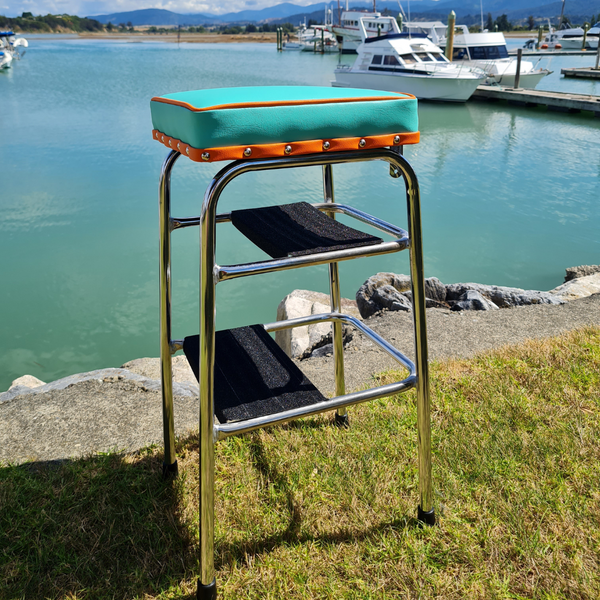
83 8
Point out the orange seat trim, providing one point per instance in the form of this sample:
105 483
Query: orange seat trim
279 149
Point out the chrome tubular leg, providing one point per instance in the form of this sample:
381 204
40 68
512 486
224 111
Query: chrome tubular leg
426 511
341 416
166 374
206 584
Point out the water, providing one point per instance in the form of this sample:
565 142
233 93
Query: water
510 197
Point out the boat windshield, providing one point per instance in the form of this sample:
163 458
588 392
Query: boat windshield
488 52
408 59
424 57
438 56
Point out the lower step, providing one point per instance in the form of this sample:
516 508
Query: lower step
253 375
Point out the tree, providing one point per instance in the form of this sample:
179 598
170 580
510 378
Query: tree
27 15
489 24
503 23
109 26
530 22
250 28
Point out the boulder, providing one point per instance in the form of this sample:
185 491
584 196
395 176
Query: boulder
473 300
387 291
27 381
577 288
301 342
502 297
582 271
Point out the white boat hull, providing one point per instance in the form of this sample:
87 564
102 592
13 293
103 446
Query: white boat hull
5 60
527 81
447 89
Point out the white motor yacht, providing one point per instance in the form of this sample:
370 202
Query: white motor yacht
347 31
9 48
415 65
486 51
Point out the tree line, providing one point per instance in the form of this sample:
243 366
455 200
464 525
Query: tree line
27 22
50 23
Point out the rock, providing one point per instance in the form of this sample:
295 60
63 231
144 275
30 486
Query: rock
150 368
370 299
502 297
473 300
300 342
387 291
582 271
104 376
577 288
28 381
388 297
435 290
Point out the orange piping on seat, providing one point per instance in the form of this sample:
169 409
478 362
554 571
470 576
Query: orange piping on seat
278 149
280 103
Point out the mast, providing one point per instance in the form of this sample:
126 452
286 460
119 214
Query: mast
481 9
562 12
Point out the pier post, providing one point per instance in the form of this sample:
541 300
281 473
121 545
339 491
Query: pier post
585 30
450 35
597 56
518 72
540 37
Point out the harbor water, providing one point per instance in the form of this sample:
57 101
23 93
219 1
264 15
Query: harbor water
511 196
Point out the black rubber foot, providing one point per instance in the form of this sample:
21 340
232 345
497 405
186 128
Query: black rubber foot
207 592
428 518
341 421
170 471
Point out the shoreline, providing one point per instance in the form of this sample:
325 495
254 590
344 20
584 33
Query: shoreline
202 38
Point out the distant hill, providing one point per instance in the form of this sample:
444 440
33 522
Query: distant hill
158 17
515 10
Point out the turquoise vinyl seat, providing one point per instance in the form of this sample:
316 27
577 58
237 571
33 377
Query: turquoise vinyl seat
260 122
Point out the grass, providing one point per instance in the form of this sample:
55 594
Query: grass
310 511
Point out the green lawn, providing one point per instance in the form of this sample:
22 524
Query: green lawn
311 511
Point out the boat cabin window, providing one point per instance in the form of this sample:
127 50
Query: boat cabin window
424 57
438 56
488 52
460 54
408 59
390 60
376 59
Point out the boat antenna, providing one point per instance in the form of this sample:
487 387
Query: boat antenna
401 10
481 9
562 12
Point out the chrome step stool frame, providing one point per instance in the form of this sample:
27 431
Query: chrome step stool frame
211 274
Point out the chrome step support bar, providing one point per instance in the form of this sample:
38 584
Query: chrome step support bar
426 512
341 416
166 348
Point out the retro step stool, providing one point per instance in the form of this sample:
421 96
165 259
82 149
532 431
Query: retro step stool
246 381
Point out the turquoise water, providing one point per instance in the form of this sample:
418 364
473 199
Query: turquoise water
510 196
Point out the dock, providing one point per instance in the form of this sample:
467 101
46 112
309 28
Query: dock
583 72
559 101
527 52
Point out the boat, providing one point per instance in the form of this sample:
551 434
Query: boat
570 38
317 38
399 62
347 31
10 48
593 36
486 50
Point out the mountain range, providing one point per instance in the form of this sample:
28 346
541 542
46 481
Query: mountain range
515 10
